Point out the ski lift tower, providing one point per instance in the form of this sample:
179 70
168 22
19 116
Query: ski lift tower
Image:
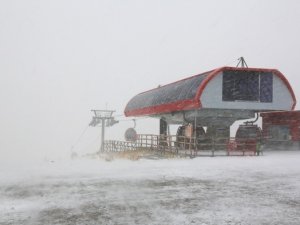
102 116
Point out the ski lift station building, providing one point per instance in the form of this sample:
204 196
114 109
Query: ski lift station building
217 98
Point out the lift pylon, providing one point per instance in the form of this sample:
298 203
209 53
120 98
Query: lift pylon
103 117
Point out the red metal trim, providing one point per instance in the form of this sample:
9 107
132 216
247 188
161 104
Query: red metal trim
282 77
205 82
295 114
164 108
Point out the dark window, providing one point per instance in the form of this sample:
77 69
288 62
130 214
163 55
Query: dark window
266 87
247 86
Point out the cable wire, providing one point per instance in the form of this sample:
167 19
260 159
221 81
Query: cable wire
79 138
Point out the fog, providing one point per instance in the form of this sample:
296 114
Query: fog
59 59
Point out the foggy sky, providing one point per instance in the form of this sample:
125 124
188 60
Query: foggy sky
59 59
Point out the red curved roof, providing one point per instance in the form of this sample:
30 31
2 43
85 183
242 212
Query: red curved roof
184 94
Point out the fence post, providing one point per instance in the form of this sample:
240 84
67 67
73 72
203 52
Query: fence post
151 147
213 147
146 141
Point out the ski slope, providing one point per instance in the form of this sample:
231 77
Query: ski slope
206 190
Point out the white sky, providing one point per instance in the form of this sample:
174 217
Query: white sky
59 59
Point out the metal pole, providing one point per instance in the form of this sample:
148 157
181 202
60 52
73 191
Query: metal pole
100 116
196 139
102 134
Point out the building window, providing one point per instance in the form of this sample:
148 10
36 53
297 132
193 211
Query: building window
279 133
247 86
266 87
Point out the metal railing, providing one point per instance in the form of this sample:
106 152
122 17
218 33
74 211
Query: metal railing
181 145
118 146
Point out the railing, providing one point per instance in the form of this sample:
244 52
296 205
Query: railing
243 146
186 146
117 146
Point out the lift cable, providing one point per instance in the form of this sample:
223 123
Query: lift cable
88 145
119 115
134 119
74 145
79 138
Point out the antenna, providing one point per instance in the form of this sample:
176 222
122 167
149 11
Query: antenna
242 62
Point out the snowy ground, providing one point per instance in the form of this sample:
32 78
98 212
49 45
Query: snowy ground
219 190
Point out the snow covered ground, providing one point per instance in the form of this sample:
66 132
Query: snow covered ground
206 190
